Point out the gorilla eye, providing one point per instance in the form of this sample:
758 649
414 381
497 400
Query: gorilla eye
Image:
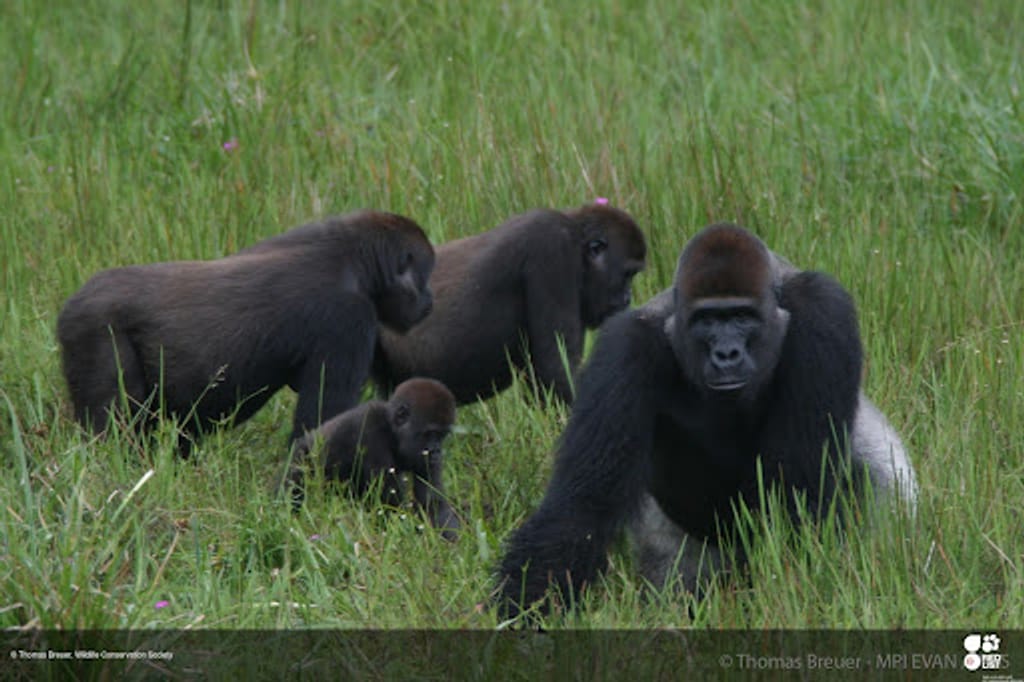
402 414
747 317
405 263
595 247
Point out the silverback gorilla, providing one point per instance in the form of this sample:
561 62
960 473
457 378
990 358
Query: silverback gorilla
510 293
213 340
379 441
746 368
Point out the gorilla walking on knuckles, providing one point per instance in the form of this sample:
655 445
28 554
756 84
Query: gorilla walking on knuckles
510 293
211 340
379 441
745 364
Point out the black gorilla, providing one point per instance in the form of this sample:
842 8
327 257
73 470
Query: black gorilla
210 340
510 293
378 441
744 364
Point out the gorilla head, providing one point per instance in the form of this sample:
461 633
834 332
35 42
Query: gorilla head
405 297
421 412
614 252
728 329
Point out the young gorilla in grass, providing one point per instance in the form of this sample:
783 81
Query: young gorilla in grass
212 340
510 294
376 442
744 373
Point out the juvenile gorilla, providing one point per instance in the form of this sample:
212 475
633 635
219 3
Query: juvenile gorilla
379 441
211 340
510 294
745 364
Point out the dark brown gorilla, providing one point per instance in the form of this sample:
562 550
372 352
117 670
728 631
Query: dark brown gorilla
376 442
206 341
509 295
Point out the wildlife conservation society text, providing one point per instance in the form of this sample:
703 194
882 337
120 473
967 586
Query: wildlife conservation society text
91 655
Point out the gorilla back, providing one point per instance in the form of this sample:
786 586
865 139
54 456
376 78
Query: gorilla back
738 377
213 340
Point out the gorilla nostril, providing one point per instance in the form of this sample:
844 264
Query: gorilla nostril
726 357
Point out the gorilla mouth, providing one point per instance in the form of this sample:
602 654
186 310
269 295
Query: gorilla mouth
727 385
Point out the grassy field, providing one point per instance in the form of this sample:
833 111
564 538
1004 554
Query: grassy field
881 142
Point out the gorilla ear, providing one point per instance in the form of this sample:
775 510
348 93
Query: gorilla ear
595 247
670 325
400 416
782 316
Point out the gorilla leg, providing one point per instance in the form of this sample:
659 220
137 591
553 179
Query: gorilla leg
430 497
877 445
98 366
666 554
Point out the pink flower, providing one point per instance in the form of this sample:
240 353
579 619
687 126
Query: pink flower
230 145
161 604
601 201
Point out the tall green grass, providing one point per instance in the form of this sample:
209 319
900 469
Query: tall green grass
882 142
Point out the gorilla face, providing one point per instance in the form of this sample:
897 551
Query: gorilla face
724 334
729 346
614 251
422 412
408 299
608 277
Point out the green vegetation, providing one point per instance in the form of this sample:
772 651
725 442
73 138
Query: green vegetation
881 142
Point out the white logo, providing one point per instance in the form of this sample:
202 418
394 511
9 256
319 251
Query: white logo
987 645
990 643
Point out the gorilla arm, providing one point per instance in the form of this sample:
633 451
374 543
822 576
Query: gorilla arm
602 467
553 310
428 491
335 369
874 441
816 390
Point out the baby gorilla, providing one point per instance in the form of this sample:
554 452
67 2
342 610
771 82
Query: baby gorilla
378 441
